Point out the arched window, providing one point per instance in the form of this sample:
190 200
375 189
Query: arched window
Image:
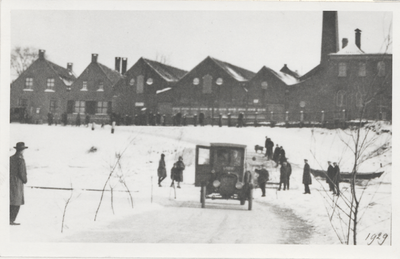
264 85
132 82
139 84
196 81
207 84
340 101
381 68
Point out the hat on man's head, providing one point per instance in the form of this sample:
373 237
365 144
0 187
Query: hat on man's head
162 155
305 160
20 146
329 162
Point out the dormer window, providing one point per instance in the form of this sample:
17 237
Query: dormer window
50 84
381 68
101 86
84 86
342 69
29 83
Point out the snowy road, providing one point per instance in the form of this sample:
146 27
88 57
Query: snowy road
221 221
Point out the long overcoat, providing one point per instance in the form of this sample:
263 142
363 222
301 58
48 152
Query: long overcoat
162 172
285 170
177 171
336 175
331 173
306 174
18 178
276 154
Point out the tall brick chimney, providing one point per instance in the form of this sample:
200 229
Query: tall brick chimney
330 40
345 41
124 65
41 53
94 58
358 38
69 67
117 64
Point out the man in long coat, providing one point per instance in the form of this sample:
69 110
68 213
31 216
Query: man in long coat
275 157
18 178
330 175
289 173
177 172
263 177
306 177
336 178
284 176
269 145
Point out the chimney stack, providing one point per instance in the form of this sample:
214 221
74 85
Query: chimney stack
94 58
124 65
330 39
69 67
345 41
41 54
117 64
358 38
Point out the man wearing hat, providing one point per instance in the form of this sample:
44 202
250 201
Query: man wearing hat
336 178
329 179
17 180
306 177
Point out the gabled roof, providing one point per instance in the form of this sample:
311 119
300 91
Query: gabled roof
168 73
112 75
237 73
286 70
285 78
311 73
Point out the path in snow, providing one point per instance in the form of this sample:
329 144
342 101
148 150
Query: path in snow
223 221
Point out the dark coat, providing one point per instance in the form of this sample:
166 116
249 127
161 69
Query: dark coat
18 178
177 171
162 172
263 175
285 170
331 173
277 151
289 166
306 174
336 175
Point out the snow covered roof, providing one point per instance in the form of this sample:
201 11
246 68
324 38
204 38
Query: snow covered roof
288 79
65 75
163 90
111 74
169 73
350 49
237 73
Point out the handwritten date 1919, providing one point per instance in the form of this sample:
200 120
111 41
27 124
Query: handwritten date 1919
380 238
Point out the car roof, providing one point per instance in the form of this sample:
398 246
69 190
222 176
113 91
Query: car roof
227 145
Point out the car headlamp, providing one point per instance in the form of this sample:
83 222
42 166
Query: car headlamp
239 185
216 183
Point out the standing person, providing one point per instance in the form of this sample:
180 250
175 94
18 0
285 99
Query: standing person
282 155
284 176
18 178
177 172
306 177
263 177
276 154
336 178
330 176
269 145
161 171
289 172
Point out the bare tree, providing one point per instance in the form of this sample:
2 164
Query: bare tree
22 58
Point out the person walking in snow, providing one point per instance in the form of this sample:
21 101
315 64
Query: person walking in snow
289 173
18 177
177 172
161 171
336 178
284 176
306 177
263 177
329 178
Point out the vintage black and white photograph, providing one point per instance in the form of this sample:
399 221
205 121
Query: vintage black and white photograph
171 124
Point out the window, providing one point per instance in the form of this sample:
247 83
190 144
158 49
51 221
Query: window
29 83
359 100
149 81
53 106
50 83
264 85
207 83
101 86
204 156
381 68
340 98
84 86
139 84
196 81
79 107
132 82
362 69
23 102
342 69
70 106
219 81
102 107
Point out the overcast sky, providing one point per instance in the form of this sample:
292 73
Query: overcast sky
249 39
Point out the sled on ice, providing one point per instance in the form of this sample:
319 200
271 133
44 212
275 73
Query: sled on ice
220 173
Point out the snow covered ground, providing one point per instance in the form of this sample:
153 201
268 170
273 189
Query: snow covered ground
82 159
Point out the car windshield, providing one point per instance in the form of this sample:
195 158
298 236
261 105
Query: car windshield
227 157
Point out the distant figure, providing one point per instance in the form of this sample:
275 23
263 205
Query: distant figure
162 172
201 119
282 155
50 118
329 178
158 120
177 172
289 173
78 120
306 177
263 177
269 145
87 119
240 120
64 118
336 178
18 178
275 157
284 176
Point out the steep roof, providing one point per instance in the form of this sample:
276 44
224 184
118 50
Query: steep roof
286 70
68 77
238 73
288 79
112 75
169 73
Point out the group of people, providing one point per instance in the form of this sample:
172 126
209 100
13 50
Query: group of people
278 155
176 171
333 177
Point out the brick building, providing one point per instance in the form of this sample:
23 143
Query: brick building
91 93
41 89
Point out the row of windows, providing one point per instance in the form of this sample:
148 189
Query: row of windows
90 107
362 69
29 83
22 102
341 99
